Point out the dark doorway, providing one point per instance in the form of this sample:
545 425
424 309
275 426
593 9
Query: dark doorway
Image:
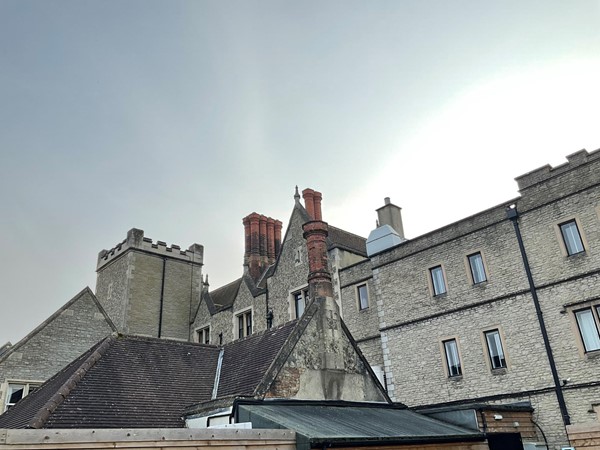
505 441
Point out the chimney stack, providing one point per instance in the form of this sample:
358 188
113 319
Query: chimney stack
312 203
309 203
319 278
389 214
262 236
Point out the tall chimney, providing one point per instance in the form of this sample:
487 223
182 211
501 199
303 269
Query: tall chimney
317 205
254 260
319 278
271 240
277 227
309 202
247 240
262 236
262 250
389 214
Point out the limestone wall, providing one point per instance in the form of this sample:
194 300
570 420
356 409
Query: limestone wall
54 344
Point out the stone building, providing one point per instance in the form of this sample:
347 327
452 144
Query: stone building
495 316
500 307
273 288
63 336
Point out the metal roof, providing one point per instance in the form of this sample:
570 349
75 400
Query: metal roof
327 422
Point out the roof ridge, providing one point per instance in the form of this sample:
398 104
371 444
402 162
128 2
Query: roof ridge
237 280
348 232
40 418
102 310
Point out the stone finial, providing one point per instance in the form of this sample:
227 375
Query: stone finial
297 195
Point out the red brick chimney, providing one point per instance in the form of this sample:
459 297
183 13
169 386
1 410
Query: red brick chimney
262 243
309 203
278 226
254 261
319 278
271 240
312 203
315 233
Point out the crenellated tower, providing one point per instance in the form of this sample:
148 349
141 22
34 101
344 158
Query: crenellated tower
149 288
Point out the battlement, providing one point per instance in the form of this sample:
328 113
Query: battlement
546 172
137 241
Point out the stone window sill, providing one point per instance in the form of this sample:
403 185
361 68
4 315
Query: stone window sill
455 378
499 371
594 354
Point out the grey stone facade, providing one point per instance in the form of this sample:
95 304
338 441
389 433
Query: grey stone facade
144 286
65 335
150 288
414 322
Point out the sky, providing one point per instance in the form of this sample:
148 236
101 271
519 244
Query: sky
181 117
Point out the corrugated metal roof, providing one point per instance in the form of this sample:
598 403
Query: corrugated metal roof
324 422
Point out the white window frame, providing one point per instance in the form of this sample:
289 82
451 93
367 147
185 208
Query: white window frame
590 339
303 292
498 342
204 331
434 280
27 385
476 270
244 314
451 355
359 297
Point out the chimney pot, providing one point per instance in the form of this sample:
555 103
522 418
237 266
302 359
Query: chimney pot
309 202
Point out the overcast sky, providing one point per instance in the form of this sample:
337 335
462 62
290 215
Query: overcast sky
182 117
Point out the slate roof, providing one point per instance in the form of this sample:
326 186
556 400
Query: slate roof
329 423
223 297
246 361
140 382
345 240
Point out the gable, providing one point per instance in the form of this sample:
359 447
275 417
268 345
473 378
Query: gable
65 335
324 363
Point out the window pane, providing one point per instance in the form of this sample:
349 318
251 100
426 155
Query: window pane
571 237
437 279
241 325
299 304
363 297
477 269
495 349
588 330
452 358
248 323
15 393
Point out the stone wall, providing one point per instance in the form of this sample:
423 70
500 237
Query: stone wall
414 322
291 273
150 288
59 340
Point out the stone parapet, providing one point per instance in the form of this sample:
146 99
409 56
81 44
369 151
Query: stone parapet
546 172
137 241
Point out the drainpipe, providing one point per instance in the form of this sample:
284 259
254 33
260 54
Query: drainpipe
513 215
162 297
